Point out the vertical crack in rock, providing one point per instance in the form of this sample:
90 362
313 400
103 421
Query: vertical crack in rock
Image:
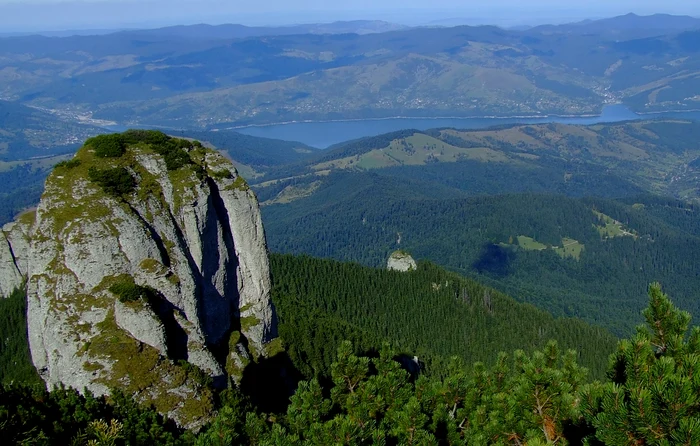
164 255
175 336
12 253
221 323
11 276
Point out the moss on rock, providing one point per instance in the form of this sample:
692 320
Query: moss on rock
140 370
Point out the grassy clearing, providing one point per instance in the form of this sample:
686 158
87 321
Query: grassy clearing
530 244
609 227
570 248
416 150
421 149
291 193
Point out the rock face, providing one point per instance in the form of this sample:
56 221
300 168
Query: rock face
14 252
132 288
10 276
401 261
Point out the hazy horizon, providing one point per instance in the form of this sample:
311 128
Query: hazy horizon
53 15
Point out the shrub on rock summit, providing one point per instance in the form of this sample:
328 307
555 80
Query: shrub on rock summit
107 146
116 182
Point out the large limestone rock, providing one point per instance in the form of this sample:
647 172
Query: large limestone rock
188 242
401 261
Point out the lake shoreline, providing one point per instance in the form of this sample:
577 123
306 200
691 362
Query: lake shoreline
388 118
639 115
322 134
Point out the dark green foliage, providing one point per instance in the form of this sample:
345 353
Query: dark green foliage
654 394
531 399
68 164
477 236
312 336
173 150
537 398
134 136
116 181
22 188
15 362
229 427
174 153
107 146
429 312
130 292
174 157
35 416
548 176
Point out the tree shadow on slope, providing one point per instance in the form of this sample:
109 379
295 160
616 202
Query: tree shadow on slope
495 260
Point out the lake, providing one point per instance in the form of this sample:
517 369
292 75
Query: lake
324 134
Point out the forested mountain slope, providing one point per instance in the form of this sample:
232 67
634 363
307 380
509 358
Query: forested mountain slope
615 160
585 257
513 205
429 312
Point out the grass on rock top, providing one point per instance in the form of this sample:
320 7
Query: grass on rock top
107 166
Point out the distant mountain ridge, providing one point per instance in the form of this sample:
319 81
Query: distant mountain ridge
641 24
203 76
641 156
205 31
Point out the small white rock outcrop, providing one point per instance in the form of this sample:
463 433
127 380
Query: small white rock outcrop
401 261
122 287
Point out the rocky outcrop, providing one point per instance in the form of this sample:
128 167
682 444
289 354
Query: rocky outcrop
401 261
10 276
14 253
139 287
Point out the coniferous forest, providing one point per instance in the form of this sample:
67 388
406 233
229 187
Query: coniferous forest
350 375
512 242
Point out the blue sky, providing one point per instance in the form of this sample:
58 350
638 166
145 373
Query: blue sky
34 15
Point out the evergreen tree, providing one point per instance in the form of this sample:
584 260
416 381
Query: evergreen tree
653 397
